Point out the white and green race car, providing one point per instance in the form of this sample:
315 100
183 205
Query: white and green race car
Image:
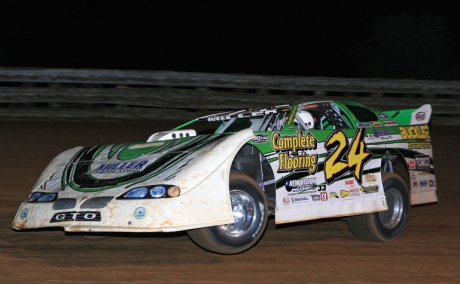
220 177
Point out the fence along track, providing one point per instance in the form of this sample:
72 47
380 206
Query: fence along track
89 94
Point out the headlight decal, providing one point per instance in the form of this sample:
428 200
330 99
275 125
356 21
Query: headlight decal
152 192
42 197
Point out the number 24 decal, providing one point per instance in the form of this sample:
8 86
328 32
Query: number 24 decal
344 157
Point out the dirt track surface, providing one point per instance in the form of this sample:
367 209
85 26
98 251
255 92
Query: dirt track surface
309 252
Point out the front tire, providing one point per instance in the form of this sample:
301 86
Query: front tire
250 213
386 225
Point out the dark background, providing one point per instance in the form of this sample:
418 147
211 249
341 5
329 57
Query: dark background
362 39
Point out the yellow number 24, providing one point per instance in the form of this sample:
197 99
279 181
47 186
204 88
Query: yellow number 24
344 158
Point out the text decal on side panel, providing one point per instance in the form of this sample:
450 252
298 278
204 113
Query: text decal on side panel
344 157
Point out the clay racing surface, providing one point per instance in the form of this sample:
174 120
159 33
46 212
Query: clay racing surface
321 251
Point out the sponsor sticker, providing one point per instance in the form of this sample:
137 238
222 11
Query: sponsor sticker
420 116
420 145
260 138
344 193
324 196
354 192
286 201
297 199
420 132
333 194
118 167
422 163
292 155
369 189
363 125
349 183
370 178
390 123
315 197
381 132
307 185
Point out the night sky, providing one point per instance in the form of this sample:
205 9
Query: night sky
321 38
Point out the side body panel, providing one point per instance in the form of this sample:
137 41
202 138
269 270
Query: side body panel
331 173
312 182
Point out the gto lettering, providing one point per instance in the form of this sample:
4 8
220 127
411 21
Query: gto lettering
420 132
60 217
89 216
76 216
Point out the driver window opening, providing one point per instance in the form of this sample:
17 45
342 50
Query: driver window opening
320 116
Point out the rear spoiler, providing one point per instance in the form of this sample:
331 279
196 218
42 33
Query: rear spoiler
413 116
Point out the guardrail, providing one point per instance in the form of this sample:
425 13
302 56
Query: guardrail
70 94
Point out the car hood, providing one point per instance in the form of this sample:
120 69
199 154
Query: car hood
103 167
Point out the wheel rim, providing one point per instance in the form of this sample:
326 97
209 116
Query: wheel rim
244 214
393 215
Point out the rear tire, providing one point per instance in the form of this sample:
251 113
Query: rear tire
386 225
250 213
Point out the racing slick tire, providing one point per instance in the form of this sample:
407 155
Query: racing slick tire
250 213
386 225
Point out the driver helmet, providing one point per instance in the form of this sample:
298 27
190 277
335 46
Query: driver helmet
307 118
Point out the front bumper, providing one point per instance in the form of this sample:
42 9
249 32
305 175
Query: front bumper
151 215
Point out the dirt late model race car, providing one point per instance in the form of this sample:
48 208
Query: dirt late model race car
220 177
